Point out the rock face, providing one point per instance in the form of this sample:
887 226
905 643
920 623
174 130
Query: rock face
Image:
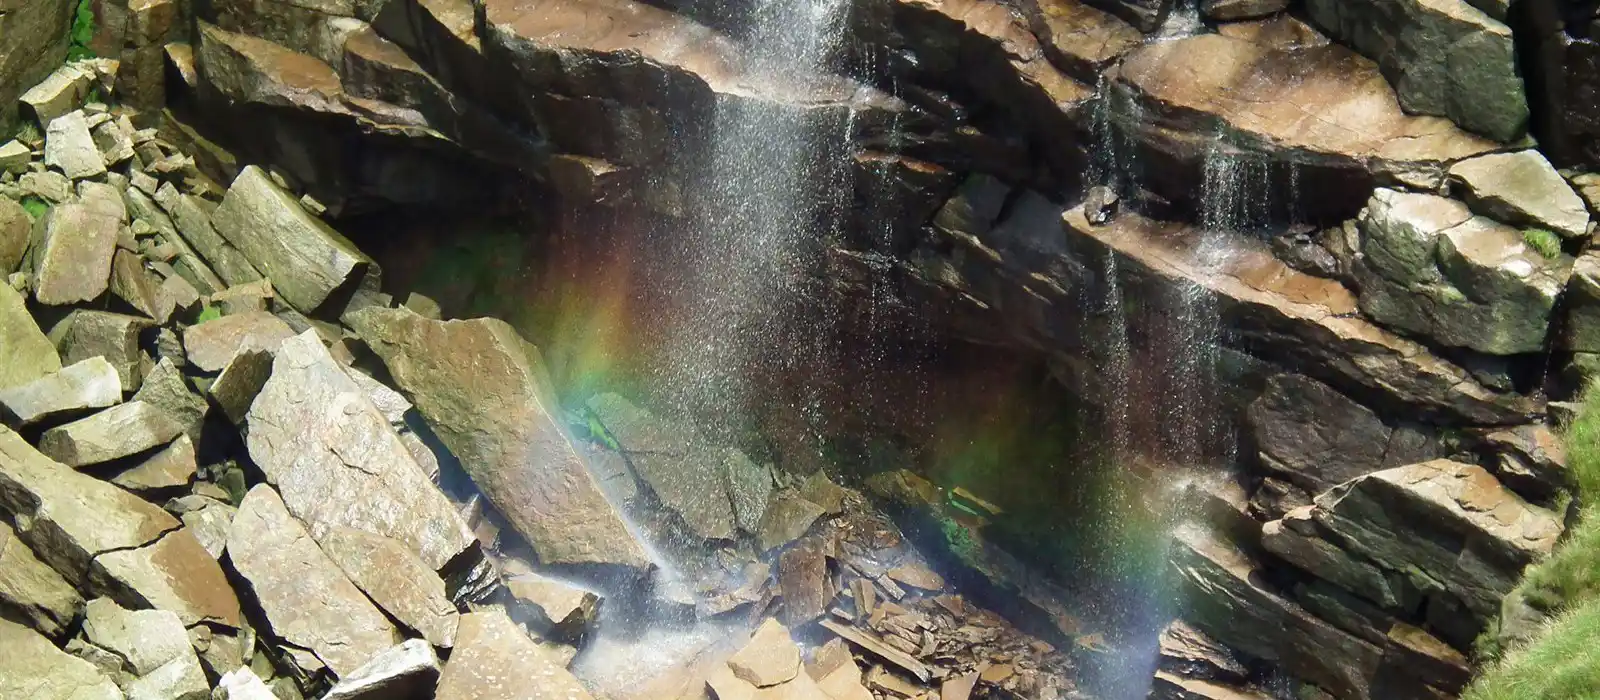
1430 267
1521 189
279 563
32 667
488 643
338 463
309 263
1444 57
689 476
483 391
1318 438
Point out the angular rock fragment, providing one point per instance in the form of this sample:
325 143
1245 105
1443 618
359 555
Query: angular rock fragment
484 392
72 254
134 284
174 573
179 679
34 668
213 344
69 146
688 475
14 157
394 578
407 671
1231 10
786 520
85 334
88 385
29 354
236 388
191 216
875 646
207 518
1521 189
170 469
308 262
389 402
166 389
338 462
917 576
278 561
750 488
62 92
770 658
803 580
1317 438
144 640
488 643
46 601
121 431
243 684
557 611
15 227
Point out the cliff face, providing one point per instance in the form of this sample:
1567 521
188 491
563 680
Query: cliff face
1361 198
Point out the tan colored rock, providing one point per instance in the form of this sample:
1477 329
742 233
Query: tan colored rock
47 602
1521 189
917 576
213 344
86 333
803 580
394 578
191 217
88 385
117 432
34 668
406 671
144 640
72 258
170 469
1082 39
166 389
488 643
338 462
483 390
237 387
58 94
208 519
29 354
786 520
556 611
278 561
243 684
69 147
770 658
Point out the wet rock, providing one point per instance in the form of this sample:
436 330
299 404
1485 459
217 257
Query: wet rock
749 487
1189 653
166 389
770 658
1316 437
819 489
32 667
1231 10
1444 58
875 646
338 462
1101 205
555 610
1430 267
1147 15
1295 540
72 258
85 334
488 643
483 391
77 389
29 354
278 560
70 147
46 601
1521 189
394 578
1171 686
689 476
309 263
407 671
1530 459
803 580
212 345
917 576
1083 40
237 386
121 431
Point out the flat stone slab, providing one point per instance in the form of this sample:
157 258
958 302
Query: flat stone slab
29 354
1521 189
394 578
63 91
34 668
488 643
144 639
770 658
86 333
210 346
338 462
121 431
409 669
30 586
279 562
72 261
70 147
191 216
88 385
687 474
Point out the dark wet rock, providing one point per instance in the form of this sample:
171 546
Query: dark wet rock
1082 39
38 46
29 354
554 610
122 431
310 264
77 389
1530 459
1101 205
338 462
73 250
687 474
1432 268
484 392
769 658
786 520
1233 10
1445 58
277 560
33 667
1317 438
1302 252
86 334
394 578
407 671
1147 15
821 490
1295 540
803 580
1521 189
488 643
212 345
46 601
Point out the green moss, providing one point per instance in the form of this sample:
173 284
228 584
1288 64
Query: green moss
1562 663
960 540
1548 244
209 313
34 206
82 32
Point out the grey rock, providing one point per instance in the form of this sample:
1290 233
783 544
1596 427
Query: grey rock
51 186
115 141
69 147
192 217
15 228
188 263
121 431
144 640
134 283
749 487
1521 189
1316 437
46 601
34 668
29 354
88 385
171 468
394 578
1430 267
687 474
62 92
1295 540
73 248
786 520
166 389
338 462
209 520
243 684
86 334
278 561
389 402
244 298
308 262
239 383
407 671
179 679
213 344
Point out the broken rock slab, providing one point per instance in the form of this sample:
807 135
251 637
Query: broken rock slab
69 147
34 668
29 354
786 520
686 474
407 671
235 389
63 91
72 255
770 657
394 578
209 520
487 644
210 346
555 610
166 389
86 333
46 601
338 462
168 470
85 386
122 431
278 561
1521 189
175 573
308 262
485 393
144 640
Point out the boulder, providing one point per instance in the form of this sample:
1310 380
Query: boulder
278 561
1428 266
85 334
310 264
554 610
688 475
407 671
122 431
1317 438
1444 57
1083 40
180 679
165 388
338 463
61 92
175 573
168 470
1521 189
29 354
134 283
803 581
28 586
394 578
484 392
34 668
70 148
51 186
14 157
77 389
74 244
15 227
210 346
488 643
769 658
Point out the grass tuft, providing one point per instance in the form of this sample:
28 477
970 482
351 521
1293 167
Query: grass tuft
1562 663
35 207
1548 244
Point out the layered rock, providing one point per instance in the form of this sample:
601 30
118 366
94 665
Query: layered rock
39 32
1521 189
1318 438
46 601
79 388
73 249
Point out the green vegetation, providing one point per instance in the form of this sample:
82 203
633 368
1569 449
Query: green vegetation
209 313
82 32
1563 661
34 206
1547 243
